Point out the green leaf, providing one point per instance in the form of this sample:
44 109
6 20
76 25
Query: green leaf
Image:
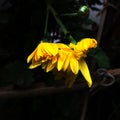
100 58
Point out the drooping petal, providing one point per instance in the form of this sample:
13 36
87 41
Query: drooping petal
39 51
50 66
31 56
54 49
50 48
74 65
70 79
58 75
61 59
85 71
34 64
71 45
64 56
54 59
67 62
62 46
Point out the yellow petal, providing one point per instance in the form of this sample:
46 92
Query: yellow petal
70 79
61 45
44 65
50 66
66 62
55 49
54 59
50 48
74 65
71 45
61 59
31 56
39 51
85 71
34 64
86 44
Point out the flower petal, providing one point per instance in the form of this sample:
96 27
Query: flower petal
34 64
31 56
85 44
70 79
39 51
50 66
85 71
66 62
50 48
74 65
61 59
62 46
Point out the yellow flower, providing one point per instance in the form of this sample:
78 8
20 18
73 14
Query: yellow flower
80 51
69 59
45 55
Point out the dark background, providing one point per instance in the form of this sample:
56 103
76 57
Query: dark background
22 25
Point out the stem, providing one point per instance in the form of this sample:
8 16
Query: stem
69 14
65 31
46 22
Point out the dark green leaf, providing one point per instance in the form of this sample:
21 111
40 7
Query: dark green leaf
100 57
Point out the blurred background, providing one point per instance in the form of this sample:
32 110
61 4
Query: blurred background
22 26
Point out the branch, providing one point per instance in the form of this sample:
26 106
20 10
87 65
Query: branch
65 31
37 89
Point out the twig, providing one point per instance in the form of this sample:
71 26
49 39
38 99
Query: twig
35 90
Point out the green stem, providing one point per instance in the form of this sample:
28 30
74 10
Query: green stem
46 22
65 31
69 14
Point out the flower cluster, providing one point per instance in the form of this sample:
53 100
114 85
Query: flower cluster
62 57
